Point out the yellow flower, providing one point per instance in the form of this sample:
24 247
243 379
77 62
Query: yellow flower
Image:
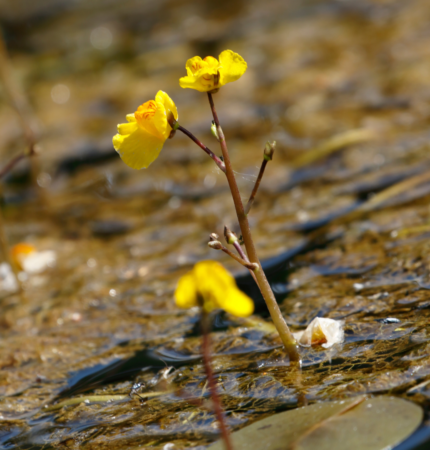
211 286
140 141
210 74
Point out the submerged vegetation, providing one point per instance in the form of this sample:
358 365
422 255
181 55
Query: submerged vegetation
94 352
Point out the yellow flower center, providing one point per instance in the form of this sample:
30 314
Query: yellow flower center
146 111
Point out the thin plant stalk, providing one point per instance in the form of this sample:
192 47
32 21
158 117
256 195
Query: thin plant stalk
12 163
242 254
205 327
287 338
256 186
216 245
239 259
216 159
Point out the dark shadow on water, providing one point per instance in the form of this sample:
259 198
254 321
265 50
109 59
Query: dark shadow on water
93 377
278 269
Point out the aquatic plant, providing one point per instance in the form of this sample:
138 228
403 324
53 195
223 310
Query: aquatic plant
208 285
140 141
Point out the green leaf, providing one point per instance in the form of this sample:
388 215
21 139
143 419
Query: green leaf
362 423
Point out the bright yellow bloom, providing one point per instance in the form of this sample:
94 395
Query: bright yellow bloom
140 141
211 286
210 74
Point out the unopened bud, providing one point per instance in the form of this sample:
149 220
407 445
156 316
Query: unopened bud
214 131
253 266
213 237
269 149
216 245
230 237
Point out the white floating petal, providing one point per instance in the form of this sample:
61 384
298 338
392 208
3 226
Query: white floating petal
37 262
7 278
320 331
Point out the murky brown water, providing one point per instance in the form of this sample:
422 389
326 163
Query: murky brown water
123 238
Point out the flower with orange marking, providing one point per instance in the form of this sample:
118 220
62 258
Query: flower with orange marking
140 141
209 74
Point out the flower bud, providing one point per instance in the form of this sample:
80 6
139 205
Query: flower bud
216 245
214 131
230 237
213 237
269 149
253 266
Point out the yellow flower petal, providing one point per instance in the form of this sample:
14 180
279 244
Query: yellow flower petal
233 66
193 65
212 63
192 83
186 291
237 303
151 117
202 74
138 149
140 140
127 128
168 103
215 287
213 279
208 74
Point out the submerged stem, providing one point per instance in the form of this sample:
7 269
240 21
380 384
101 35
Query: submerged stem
283 330
205 324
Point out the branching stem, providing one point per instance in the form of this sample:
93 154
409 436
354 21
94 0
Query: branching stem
278 320
217 160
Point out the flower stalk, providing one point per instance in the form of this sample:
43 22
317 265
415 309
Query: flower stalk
218 409
267 156
216 245
216 159
287 338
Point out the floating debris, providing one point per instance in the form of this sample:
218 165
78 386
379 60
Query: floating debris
320 331
31 261
388 320
8 281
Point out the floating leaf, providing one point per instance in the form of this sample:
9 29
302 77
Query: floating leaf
361 423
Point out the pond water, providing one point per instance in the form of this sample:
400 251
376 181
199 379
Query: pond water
337 239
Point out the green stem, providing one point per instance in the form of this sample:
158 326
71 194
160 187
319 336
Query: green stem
287 338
